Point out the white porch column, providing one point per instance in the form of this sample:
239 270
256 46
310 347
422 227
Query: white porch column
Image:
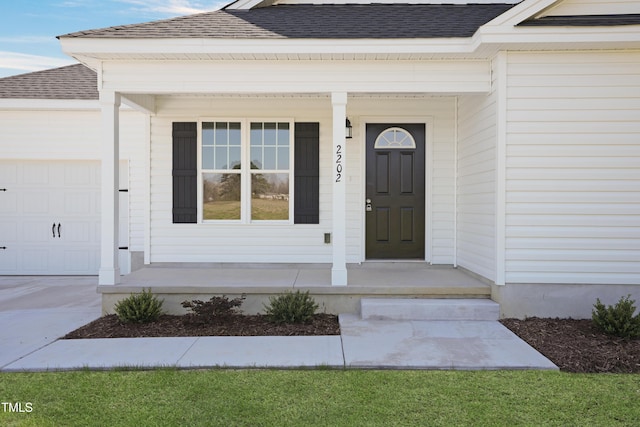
109 273
339 268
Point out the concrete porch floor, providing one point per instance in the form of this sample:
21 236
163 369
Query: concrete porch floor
37 310
178 282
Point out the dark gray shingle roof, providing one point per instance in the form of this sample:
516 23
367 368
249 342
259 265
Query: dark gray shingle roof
350 21
70 82
584 21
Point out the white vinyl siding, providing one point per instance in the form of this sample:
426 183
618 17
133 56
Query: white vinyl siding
594 7
300 242
573 181
476 184
229 242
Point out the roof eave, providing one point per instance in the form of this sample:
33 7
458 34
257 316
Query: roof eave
104 49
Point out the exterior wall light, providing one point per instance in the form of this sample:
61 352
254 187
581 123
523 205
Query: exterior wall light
349 129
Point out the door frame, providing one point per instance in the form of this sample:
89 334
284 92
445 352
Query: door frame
361 139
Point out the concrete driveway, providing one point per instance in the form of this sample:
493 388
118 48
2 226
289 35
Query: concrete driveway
37 310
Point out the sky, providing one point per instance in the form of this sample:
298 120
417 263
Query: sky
28 28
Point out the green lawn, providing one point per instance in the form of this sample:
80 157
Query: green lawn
320 398
226 209
261 209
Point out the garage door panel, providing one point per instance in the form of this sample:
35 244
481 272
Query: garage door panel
37 232
38 174
81 175
8 174
9 203
8 232
79 203
76 261
40 194
35 260
8 261
78 232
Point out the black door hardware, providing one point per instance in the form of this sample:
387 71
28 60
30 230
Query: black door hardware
53 230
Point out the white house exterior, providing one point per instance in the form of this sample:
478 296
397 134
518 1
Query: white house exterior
503 139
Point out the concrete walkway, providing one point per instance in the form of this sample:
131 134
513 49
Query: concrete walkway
35 311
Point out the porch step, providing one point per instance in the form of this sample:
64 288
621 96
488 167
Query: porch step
428 309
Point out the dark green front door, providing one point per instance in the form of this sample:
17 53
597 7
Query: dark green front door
395 200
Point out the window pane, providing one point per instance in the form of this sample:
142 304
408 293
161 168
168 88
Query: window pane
221 133
269 158
207 133
269 196
283 158
256 134
270 134
283 134
221 196
256 158
207 157
221 158
234 157
234 134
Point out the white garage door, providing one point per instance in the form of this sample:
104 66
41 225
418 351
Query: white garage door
49 217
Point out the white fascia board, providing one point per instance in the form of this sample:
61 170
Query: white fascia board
557 37
523 11
243 4
49 104
342 2
85 48
53 105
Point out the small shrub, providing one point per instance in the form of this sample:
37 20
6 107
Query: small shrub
215 308
139 308
617 320
291 307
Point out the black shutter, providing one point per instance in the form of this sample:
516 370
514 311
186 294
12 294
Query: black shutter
185 185
307 174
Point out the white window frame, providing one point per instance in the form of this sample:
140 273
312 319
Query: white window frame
245 171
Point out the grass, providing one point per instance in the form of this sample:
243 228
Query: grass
265 209
222 210
320 398
261 209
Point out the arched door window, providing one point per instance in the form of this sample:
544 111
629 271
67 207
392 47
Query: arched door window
395 138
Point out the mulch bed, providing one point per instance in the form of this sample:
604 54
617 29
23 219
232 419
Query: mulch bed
573 345
185 326
577 345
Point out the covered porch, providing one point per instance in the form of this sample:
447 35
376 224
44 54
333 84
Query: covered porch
177 282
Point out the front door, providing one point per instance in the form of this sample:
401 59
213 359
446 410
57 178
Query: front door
395 199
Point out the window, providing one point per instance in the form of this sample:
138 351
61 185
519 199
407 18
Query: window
246 174
221 170
395 138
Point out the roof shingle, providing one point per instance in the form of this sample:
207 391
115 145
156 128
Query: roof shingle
350 21
70 82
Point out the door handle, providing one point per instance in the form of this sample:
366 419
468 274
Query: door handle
368 207
53 230
59 230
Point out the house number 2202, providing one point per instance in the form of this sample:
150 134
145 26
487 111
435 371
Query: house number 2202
339 163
